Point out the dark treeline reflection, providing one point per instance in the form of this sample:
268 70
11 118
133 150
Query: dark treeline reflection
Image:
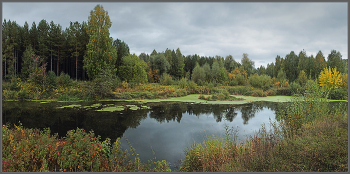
114 124
173 111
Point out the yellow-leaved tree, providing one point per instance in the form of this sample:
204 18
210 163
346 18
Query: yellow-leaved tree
330 78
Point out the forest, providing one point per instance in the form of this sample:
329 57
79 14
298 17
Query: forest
84 50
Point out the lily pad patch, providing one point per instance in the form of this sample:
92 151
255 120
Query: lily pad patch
70 106
112 108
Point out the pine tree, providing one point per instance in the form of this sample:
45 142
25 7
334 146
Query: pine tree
122 50
27 59
320 63
6 44
179 73
302 64
74 35
302 79
278 65
43 31
290 66
51 41
33 33
335 61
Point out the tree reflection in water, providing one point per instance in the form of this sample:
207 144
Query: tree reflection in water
114 124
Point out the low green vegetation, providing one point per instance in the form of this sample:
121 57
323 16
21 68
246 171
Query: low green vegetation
308 137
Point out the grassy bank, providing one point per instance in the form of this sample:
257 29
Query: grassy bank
63 88
88 91
320 146
308 137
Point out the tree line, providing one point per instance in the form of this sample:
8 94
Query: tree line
82 50
62 49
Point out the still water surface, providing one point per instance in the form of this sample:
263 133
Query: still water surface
166 128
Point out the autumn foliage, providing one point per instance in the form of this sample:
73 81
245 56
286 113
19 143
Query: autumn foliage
330 78
153 76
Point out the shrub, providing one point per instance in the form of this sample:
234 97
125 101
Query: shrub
200 82
116 82
32 150
239 90
183 83
132 83
215 84
202 97
26 149
6 85
240 79
254 80
214 97
10 94
180 93
283 91
248 93
259 93
304 109
23 94
166 79
75 92
211 87
338 94
36 77
198 73
125 85
102 85
64 80
221 90
295 88
50 81
191 86
271 92
233 83
208 98
221 96
15 84
264 81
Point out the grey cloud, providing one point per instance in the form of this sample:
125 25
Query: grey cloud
263 30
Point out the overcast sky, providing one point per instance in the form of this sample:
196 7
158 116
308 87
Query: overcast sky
263 30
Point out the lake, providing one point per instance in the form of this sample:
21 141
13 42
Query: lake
158 130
